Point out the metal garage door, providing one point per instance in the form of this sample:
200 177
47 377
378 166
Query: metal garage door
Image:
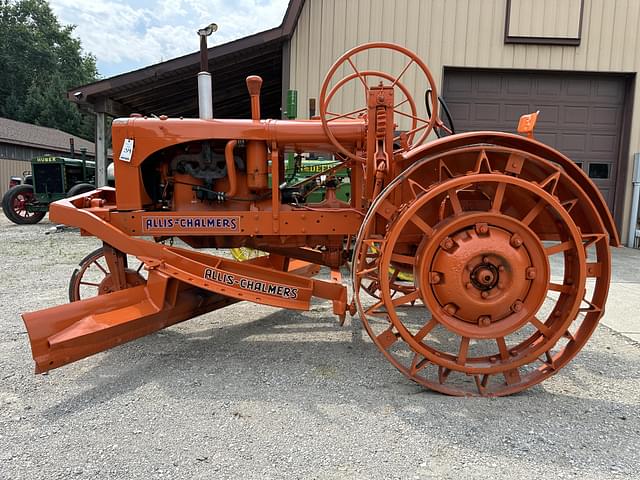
580 114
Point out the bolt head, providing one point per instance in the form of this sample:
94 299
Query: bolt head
485 294
484 321
447 243
450 309
517 306
516 241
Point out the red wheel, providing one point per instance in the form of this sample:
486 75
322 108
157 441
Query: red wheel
15 202
420 126
92 277
505 293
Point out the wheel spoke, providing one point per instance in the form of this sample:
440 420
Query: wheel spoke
346 115
402 73
498 197
408 298
417 129
502 347
91 284
358 73
422 225
455 202
464 348
100 267
534 212
401 103
560 247
556 287
426 328
413 117
404 259
544 330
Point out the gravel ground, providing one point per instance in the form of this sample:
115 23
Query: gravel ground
255 392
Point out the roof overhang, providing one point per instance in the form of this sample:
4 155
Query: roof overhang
170 87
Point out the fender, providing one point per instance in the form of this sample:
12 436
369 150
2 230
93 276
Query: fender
527 145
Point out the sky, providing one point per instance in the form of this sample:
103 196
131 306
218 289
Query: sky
125 35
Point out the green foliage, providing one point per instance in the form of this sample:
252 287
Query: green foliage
39 62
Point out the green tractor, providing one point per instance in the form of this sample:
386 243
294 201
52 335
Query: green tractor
52 178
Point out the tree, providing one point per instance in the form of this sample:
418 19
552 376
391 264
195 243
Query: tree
39 62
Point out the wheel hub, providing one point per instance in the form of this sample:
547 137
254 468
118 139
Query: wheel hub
107 285
485 276
481 277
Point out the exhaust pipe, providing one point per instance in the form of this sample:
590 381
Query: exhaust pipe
205 91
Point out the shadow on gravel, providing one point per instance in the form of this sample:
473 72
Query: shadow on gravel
210 364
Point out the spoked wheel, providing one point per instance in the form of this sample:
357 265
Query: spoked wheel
15 202
503 293
92 277
420 125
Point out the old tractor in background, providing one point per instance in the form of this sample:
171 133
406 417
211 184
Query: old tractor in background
51 178
480 262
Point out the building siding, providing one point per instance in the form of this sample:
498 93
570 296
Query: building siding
460 33
11 168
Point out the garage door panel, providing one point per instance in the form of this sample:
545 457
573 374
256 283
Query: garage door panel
460 84
487 85
602 143
461 112
578 89
573 144
607 117
575 116
487 112
549 115
513 112
580 114
549 138
548 88
610 90
518 86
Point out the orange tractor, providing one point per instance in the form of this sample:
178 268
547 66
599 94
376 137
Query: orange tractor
480 262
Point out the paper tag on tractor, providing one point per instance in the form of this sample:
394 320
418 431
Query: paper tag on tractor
127 150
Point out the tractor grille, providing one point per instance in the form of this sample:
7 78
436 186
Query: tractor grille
48 178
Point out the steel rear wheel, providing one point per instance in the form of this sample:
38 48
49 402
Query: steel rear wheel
510 266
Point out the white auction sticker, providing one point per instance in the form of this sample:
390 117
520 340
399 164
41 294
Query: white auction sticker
127 150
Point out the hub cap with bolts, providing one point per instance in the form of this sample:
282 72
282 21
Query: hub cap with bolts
484 289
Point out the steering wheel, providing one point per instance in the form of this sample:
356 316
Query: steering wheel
420 127
440 125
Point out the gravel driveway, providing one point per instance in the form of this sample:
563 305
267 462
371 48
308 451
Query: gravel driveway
255 392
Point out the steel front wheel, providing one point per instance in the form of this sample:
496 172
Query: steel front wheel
510 271
92 276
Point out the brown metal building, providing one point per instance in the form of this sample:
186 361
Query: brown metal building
493 60
20 142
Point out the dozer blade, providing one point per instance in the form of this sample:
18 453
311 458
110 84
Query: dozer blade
66 333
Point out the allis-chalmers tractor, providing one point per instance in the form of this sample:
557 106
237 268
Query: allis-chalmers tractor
480 262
